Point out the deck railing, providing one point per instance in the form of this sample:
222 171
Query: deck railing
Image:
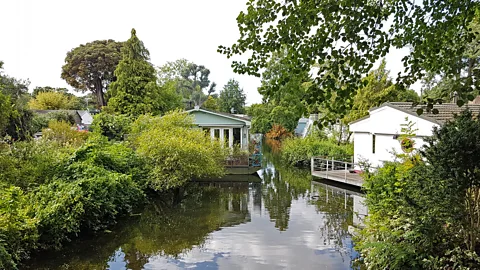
253 160
323 166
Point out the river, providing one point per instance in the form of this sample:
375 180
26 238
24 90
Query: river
281 221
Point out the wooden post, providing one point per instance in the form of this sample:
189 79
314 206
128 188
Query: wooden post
345 172
326 170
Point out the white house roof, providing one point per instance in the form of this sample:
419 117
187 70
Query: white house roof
446 111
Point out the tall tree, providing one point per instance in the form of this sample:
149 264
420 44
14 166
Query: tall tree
283 99
91 66
345 38
136 90
13 98
378 88
191 80
232 98
211 103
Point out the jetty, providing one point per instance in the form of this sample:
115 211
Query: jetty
337 171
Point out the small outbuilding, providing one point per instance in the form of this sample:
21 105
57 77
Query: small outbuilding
231 128
375 136
80 117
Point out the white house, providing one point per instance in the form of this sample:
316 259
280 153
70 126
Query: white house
231 128
375 137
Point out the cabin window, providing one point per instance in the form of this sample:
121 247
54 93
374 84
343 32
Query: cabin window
226 137
216 133
206 131
373 143
236 136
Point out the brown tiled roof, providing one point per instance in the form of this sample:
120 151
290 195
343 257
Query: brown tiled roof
446 111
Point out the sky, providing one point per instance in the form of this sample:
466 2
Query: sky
38 34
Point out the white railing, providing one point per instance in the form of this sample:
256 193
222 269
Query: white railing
334 168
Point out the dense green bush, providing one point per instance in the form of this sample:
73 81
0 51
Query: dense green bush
40 121
63 209
109 155
299 150
29 164
63 133
176 150
69 191
18 232
112 126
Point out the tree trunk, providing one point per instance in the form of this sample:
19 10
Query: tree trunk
99 93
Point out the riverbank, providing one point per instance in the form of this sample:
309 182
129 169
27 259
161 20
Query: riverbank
67 183
285 221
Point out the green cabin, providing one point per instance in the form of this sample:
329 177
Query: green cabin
231 128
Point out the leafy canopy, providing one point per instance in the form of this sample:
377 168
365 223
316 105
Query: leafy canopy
343 39
232 98
283 105
15 118
378 89
189 78
52 101
91 66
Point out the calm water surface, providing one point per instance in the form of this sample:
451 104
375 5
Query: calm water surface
284 221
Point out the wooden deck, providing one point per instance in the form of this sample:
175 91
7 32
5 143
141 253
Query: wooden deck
340 176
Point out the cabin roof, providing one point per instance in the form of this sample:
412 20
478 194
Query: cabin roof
238 117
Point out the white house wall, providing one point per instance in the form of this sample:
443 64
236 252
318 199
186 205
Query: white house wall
387 120
384 123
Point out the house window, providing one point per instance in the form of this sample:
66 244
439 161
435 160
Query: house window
226 137
207 131
373 143
236 136
216 133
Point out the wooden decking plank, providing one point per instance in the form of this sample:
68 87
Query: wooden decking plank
340 176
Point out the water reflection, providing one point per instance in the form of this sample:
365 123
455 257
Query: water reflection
285 222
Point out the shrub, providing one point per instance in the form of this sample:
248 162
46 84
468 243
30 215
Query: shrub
176 150
18 234
278 132
40 121
29 164
63 209
297 150
114 127
63 133
109 155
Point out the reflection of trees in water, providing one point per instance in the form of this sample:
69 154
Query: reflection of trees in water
277 199
168 226
337 207
281 186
